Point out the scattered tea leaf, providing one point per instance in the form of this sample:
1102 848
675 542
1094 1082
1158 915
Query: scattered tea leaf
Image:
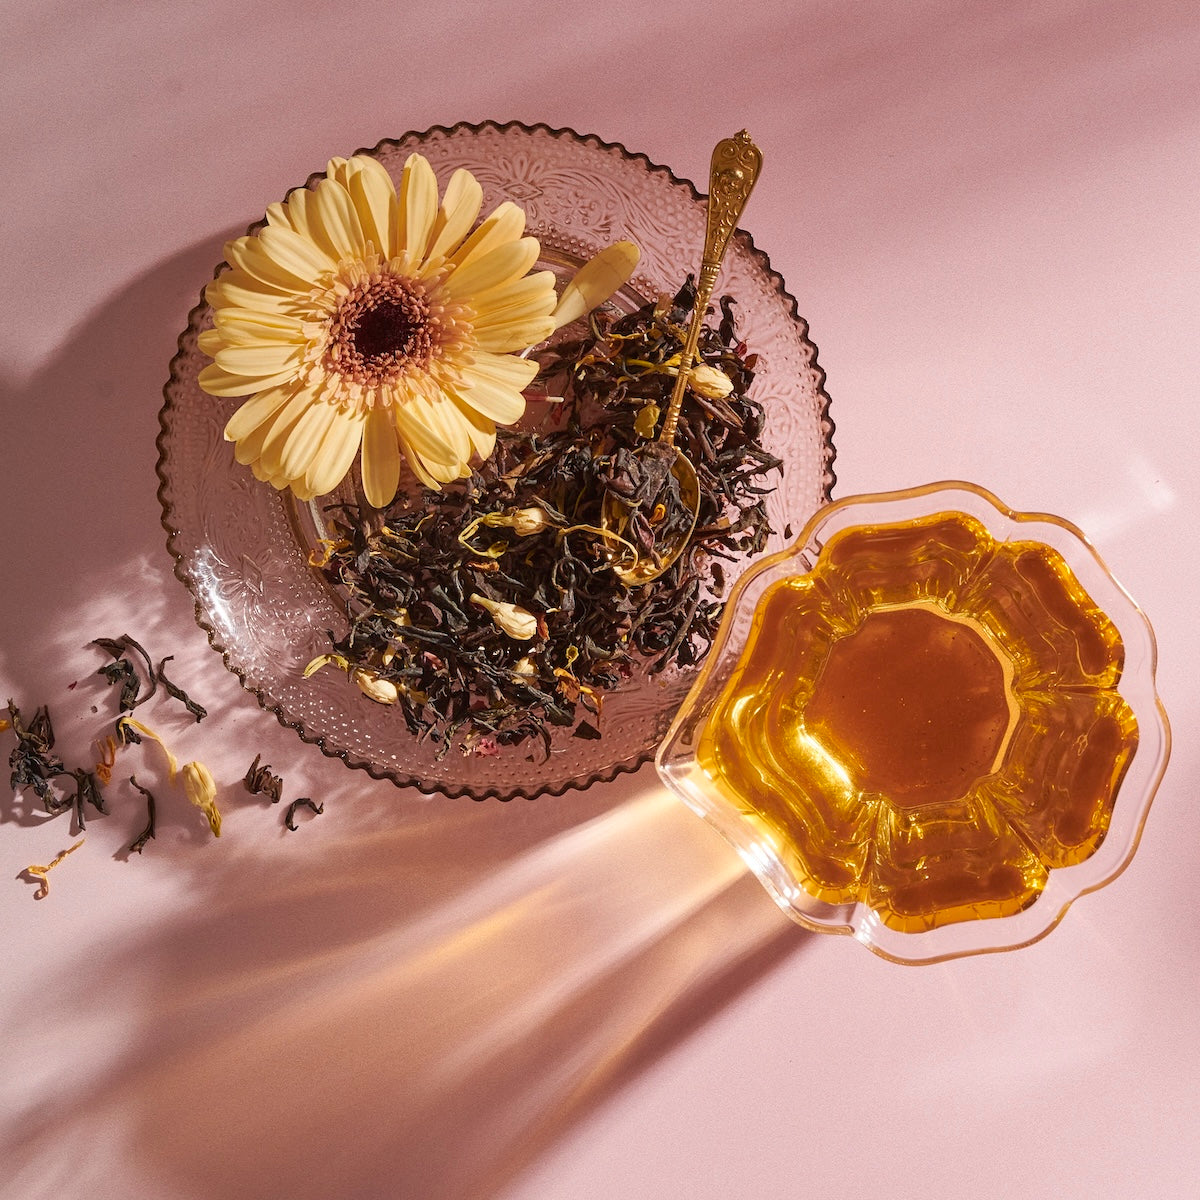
177 693
261 780
138 843
295 806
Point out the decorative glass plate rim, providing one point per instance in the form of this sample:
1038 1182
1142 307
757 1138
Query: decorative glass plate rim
575 783
960 939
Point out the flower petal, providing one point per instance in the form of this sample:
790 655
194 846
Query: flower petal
504 264
258 359
531 296
460 207
255 411
335 213
417 466
336 455
304 444
237 289
596 281
515 335
418 195
216 381
504 224
416 433
380 457
480 429
281 426
242 327
441 415
507 369
249 254
378 211
300 256
498 403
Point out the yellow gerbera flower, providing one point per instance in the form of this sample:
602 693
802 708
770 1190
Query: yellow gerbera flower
365 316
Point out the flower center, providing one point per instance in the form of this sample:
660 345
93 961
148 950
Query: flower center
384 327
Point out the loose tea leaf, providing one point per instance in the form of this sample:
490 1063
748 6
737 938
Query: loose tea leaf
122 670
263 781
33 765
296 805
138 843
488 612
176 692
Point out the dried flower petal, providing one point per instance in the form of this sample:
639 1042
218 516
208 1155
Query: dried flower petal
596 281
108 757
323 660
39 873
126 723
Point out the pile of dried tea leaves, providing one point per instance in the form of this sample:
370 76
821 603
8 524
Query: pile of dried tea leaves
489 612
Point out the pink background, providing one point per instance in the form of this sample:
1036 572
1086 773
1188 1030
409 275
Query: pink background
989 216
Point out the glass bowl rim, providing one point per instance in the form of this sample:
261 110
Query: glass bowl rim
925 944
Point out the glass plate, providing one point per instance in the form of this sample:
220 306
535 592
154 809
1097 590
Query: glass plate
242 548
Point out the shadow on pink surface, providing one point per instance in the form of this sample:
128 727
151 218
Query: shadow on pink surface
303 1033
414 996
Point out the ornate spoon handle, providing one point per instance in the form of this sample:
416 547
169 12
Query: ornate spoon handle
736 162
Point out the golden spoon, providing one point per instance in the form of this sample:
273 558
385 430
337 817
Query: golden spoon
736 162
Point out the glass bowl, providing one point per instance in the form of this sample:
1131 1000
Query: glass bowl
242 548
930 723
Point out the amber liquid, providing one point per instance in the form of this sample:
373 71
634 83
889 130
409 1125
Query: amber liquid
927 722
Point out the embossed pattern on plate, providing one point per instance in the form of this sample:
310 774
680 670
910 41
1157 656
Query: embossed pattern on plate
241 548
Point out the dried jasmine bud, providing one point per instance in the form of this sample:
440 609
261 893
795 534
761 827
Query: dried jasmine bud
201 790
517 622
709 382
382 691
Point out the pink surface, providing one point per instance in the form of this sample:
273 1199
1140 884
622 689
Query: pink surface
990 223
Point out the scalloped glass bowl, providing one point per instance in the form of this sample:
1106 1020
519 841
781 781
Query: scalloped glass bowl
242 549
930 723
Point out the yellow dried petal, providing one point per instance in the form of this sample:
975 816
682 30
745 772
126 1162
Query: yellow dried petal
40 873
596 281
146 731
323 660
